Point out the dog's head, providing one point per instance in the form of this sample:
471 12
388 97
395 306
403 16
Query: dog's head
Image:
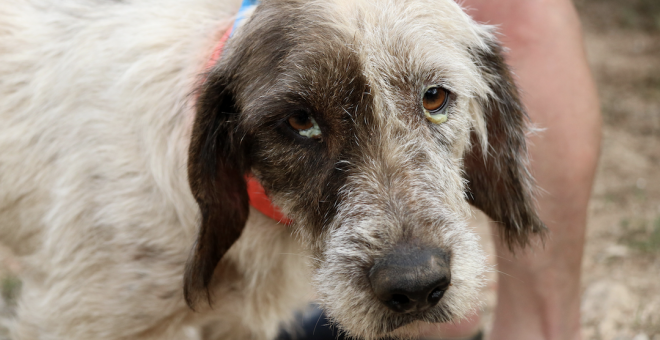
372 125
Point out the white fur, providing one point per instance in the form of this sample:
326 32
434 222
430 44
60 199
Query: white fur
95 116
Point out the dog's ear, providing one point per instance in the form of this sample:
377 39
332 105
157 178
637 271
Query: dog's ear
217 164
498 178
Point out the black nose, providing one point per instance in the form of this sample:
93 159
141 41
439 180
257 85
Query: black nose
411 279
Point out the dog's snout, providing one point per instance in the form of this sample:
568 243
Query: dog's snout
410 280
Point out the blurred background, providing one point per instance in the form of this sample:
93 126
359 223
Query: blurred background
621 268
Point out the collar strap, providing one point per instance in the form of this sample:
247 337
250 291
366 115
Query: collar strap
260 201
246 7
258 197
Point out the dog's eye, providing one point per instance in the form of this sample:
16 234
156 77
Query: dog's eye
435 101
305 125
435 98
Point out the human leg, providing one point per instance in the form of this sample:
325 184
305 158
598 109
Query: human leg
539 290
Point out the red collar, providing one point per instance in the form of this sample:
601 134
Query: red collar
217 50
260 201
258 197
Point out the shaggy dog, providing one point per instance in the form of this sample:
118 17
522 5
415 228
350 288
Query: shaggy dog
372 125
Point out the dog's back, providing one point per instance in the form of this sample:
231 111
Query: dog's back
95 113
94 101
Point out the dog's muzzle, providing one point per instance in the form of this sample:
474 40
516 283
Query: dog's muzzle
411 279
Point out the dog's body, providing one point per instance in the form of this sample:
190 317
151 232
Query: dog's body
94 194
99 102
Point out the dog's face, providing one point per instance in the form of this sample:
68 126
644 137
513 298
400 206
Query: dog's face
373 125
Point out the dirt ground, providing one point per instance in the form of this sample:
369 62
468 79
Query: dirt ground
621 269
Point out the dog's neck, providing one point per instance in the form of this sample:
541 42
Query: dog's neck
258 197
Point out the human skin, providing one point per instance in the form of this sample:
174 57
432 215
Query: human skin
539 289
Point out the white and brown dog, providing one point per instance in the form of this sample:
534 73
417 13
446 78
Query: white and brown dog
372 124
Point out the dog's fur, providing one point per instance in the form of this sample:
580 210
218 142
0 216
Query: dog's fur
108 120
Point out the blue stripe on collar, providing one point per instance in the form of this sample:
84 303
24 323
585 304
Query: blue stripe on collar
245 7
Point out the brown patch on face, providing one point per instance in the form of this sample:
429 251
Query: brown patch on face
308 173
268 74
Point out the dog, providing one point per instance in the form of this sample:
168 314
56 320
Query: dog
371 124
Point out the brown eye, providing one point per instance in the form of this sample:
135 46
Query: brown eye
305 125
435 98
301 121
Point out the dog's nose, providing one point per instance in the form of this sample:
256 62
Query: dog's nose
411 279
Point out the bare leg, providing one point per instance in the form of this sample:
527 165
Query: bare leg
539 292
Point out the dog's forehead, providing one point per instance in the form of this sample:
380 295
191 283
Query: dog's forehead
421 40
407 43
327 51
394 48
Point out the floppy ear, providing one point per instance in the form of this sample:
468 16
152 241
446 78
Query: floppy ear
499 181
217 164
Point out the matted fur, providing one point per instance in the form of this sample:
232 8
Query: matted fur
102 110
